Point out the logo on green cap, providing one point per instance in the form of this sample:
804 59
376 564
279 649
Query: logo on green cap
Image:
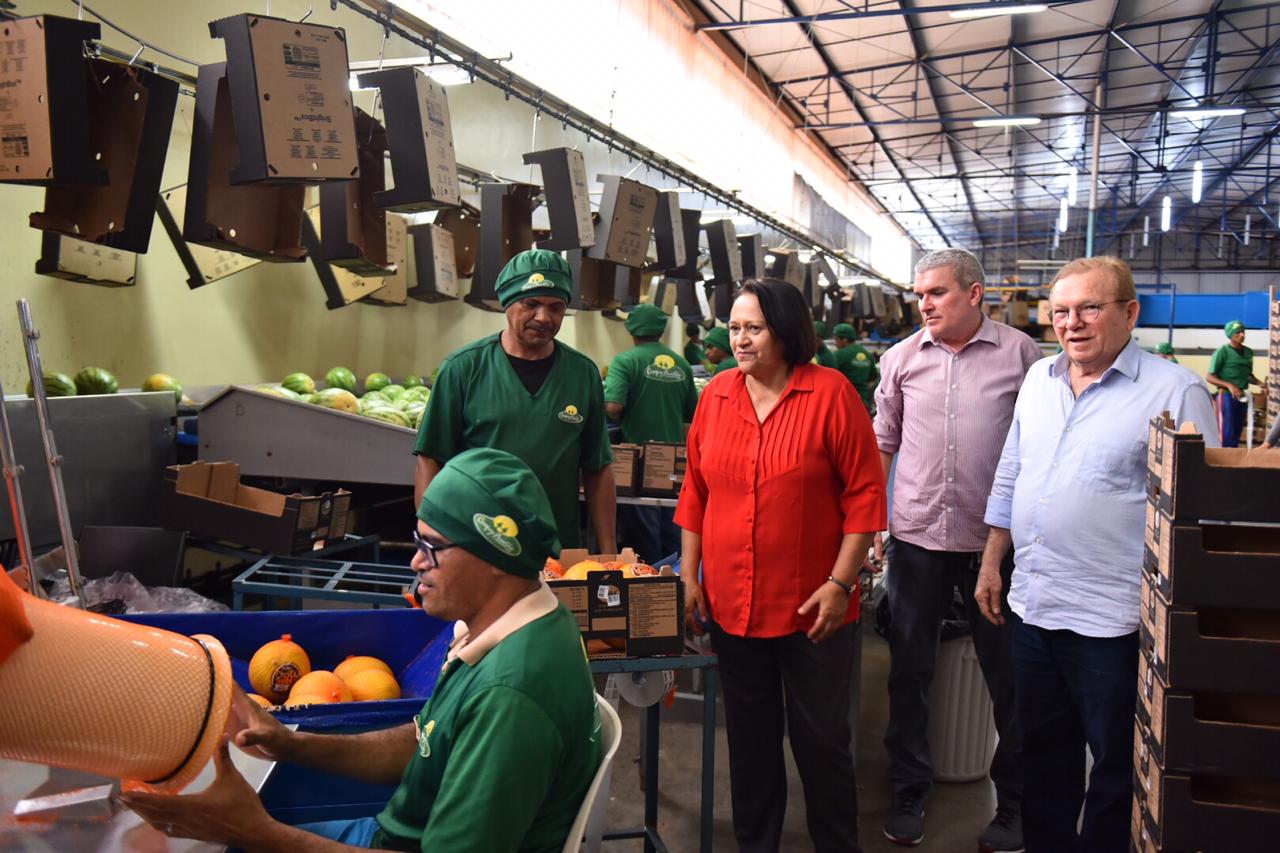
536 282
664 369
500 532
570 415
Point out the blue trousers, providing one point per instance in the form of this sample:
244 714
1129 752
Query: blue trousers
358 832
1232 414
650 530
1073 690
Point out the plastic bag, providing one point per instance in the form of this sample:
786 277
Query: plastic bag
124 593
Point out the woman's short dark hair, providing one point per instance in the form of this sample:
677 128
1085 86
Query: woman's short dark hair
787 315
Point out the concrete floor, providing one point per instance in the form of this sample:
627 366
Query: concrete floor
955 813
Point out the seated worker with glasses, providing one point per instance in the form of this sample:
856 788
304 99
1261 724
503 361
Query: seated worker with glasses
501 756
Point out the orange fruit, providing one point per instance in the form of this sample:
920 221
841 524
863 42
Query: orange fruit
553 568
636 570
371 685
299 699
321 682
276 667
579 571
358 663
261 700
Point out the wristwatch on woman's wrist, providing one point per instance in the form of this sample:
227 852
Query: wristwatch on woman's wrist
847 587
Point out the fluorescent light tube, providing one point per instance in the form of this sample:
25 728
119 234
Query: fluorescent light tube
994 10
1006 121
1195 113
1197 182
1166 213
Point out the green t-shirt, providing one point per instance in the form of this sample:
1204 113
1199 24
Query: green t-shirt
860 368
479 401
656 388
506 749
694 353
729 363
825 356
1232 365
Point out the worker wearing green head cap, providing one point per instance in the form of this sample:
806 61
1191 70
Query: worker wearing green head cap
719 352
856 363
502 753
1231 372
693 351
1165 350
649 392
524 392
823 356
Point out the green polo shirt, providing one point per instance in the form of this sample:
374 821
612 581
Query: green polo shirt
507 745
1232 365
694 353
479 401
825 356
656 388
859 367
728 364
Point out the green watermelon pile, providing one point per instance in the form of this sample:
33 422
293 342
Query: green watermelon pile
383 400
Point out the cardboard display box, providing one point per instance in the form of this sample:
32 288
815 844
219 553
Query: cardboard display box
663 470
87 263
594 282
341 287
564 181
751 248
626 467
1214 565
1210 648
207 498
1224 484
420 138
726 256
506 230
463 222
691 226
627 210
433 264
668 233
202 263
353 228
645 615
1230 734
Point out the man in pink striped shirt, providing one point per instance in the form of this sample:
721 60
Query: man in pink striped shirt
943 407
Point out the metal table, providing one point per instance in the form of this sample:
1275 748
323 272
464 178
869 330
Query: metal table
298 578
643 501
649 831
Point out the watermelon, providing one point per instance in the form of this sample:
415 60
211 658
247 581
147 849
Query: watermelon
337 398
376 381
340 377
278 392
389 415
313 399
163 382
299 383
414 412
418 394
413 382
55 385
392 392
96 380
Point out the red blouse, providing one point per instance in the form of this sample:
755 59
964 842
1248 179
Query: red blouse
772 501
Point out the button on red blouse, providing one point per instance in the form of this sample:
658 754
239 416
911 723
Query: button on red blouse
773 501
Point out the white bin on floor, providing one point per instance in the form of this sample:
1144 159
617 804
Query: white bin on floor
962 730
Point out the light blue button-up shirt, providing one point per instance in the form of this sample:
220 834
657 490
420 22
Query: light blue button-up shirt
1071 486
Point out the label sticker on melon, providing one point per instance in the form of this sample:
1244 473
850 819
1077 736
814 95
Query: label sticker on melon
284 676
500 532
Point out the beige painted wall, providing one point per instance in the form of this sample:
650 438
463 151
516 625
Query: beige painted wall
260 324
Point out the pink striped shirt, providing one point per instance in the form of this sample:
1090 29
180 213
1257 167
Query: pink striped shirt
945 414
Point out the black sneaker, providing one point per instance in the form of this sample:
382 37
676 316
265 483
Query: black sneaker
904 824
1004 833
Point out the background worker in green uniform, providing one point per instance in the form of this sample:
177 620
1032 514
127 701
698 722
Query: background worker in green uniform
824 356
502 754
858 365
1165 350
693 351
649 392
1231 372
719 351
523 391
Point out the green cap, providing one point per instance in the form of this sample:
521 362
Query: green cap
718 337
692 330
490 504
536 272
646 321
844 330
820 329
1233 328
1165 348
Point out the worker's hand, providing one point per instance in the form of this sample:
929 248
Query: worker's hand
878 544
695 605
831 603
987 593
1235 392
253 729
227 812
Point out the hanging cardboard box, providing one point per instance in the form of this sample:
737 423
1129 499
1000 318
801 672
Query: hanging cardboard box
726 257
506 229
202 263
86 263
751 248
395 287
787 267
568 200
720 298
341 287
463 222
353 229
44 112
420 138
290 94
691 224
668 233
433 264
594 282
130 118
630 286
627 209
263 221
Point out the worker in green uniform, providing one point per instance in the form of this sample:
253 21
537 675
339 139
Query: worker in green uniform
523 391
502 754
824 356
858 365
649 392
719 351
693 351
1165 351
1231 372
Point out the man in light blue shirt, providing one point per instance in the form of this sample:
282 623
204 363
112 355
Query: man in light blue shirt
1069 496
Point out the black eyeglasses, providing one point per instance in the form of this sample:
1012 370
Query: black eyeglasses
1088 313
430 551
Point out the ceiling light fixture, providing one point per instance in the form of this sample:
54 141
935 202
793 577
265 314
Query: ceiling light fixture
1205 112
993 10
1197 182
1166 213
1073 187
1007 121
1062 215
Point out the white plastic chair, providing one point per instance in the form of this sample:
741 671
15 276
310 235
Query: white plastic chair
590 819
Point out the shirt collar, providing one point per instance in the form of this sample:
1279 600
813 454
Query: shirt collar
528 609
1126 363
988 332
801 380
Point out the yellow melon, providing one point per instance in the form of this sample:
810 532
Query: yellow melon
299 699
359 663
578 572
276 667
260 700
372 685
321 682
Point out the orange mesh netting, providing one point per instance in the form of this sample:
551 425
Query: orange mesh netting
15 629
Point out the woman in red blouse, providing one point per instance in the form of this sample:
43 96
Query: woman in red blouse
782 495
